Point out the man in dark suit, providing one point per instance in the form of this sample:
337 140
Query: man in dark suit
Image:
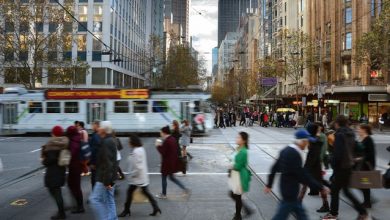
290 165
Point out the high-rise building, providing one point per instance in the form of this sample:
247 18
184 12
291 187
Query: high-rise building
229 13
120 25
155 17
177 12
226 55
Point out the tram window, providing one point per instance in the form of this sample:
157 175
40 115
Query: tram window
197 106
160 106
35 107
121 107
140 106
53 107
71 107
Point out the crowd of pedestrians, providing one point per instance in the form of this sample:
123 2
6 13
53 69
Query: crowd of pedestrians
98 156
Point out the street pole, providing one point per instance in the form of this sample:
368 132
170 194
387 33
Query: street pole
319 93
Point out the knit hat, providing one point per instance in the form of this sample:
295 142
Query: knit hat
57 131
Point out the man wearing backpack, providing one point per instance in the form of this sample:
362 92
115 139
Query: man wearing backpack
342 163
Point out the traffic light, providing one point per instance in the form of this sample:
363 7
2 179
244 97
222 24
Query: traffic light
321 103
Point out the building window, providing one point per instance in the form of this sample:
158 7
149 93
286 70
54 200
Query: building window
53 107
98 76
98 18
35 107
160 106
348 41
71 107
373 7
140 106
121 107
348 15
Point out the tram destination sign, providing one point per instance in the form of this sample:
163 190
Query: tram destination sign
66 94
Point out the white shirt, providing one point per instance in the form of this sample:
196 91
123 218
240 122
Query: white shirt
138 167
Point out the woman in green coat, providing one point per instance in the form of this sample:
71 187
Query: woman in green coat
240 164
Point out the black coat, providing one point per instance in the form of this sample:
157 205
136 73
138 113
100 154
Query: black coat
313 160
55 175
369 154
106 162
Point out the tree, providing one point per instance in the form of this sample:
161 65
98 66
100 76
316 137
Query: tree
299 54
373 48
182 68
37 36
154 59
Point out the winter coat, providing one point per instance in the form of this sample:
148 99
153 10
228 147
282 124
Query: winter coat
55 175
313 160
74 147
94 143
369 154
106 163
185 138
241 165
169 156
138 167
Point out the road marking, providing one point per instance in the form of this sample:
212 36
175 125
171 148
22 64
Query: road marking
33 151
19 202
4 139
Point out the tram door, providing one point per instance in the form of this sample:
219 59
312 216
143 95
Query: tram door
10 114
96 111
185 111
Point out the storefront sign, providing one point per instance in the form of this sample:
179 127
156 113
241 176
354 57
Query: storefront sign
378 97
98 94
330 101
269 81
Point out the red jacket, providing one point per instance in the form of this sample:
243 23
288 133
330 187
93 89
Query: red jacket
169 156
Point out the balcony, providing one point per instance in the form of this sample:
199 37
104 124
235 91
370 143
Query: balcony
345 54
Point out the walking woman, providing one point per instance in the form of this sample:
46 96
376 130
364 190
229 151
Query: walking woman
169 150
185 138
75 168
369 161
240 164
55 174
138 172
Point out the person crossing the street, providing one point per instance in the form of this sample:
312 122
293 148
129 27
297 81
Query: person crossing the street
290 165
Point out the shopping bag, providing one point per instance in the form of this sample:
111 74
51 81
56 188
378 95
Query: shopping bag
366 179
386 179
235 182
139 197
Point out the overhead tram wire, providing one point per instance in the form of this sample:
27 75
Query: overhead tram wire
93 35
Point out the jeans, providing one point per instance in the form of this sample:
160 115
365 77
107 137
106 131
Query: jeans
173 179
56 193
103 202
145 191
285 208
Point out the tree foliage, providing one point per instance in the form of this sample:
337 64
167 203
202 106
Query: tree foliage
373 46
34 36
182 68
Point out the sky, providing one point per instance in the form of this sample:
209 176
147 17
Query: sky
204 28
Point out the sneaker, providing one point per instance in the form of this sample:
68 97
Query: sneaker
329 217
161 196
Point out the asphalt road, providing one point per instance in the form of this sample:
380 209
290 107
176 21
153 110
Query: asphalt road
207 179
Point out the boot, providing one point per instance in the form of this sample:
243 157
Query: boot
125 213
58 216
325 208
80 207
237 217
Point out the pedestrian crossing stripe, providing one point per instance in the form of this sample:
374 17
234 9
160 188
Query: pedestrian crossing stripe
19 202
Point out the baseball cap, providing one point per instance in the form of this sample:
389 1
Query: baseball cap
304 134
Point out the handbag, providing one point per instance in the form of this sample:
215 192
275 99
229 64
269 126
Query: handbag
234 182
365 179
64 158
85 151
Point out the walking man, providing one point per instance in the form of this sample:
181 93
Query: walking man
94 143
290 165
342 163
102 197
